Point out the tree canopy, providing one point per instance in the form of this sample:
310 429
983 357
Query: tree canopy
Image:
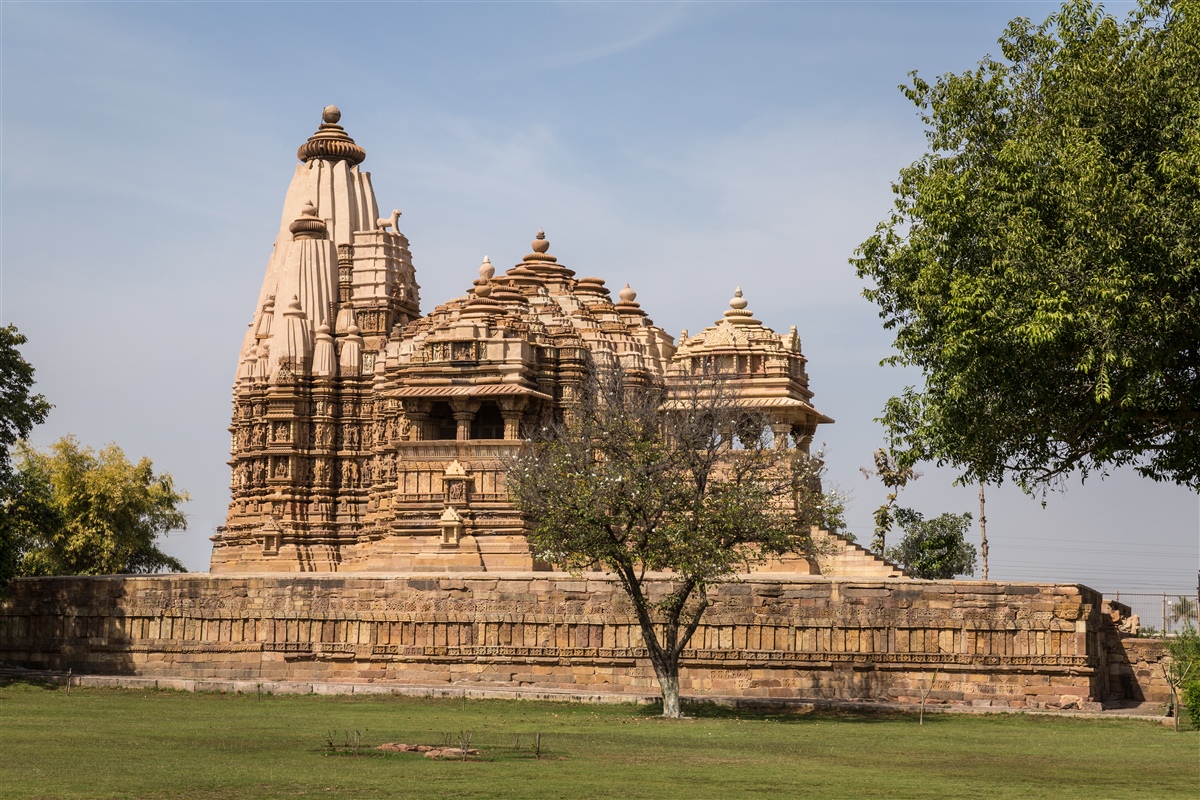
83 512
697 490
933 548
20 411
1041 264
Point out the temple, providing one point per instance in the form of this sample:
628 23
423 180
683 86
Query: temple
371 541
369 437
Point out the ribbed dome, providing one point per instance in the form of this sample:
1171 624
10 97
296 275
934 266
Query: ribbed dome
330 142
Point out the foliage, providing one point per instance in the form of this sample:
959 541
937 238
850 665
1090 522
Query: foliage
1041 265
20 411
93 513
895 476
933 548
1183 673
630 488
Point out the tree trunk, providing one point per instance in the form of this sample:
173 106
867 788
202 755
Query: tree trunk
669 686
983 549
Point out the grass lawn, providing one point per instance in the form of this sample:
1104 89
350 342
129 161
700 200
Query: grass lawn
114 743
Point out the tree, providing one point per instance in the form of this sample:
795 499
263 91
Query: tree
639 487
1182 673
84 512
933 548
20 411
895 476
1041 264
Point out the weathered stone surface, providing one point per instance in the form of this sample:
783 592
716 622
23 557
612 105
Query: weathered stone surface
480 630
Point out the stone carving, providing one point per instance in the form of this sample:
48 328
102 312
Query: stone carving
346 362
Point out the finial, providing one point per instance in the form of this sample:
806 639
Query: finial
738 302
486 270
330 142
627 295
737 313
541 244
683 336
308 225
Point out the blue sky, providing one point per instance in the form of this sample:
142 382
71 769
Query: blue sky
683 148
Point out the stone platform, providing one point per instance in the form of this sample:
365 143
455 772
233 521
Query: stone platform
765 636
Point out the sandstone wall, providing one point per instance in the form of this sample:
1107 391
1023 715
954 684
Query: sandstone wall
1015 645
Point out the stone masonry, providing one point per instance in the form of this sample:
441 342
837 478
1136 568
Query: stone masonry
1008 645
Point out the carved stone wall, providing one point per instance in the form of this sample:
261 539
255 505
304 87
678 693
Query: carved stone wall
1014 645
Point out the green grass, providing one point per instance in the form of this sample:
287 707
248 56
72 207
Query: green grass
130 744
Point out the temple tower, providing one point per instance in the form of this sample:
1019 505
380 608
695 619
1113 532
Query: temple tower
339 278
367 436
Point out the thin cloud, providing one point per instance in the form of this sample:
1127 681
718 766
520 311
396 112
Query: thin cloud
644 32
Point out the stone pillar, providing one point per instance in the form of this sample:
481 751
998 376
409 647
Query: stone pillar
804 435
782 432
417 414
464 415
513 410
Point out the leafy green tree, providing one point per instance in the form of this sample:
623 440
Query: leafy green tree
1041 264
20 411
1182 673
93 513
933 548
669 499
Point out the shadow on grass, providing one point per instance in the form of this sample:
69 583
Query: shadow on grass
782 712
48 683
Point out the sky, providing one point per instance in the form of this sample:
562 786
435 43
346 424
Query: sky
684 148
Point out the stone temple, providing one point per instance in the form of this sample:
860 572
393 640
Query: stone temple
369 437
371 546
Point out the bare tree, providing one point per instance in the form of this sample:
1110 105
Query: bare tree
670 494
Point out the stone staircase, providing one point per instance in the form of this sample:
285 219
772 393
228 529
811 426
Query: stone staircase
840 558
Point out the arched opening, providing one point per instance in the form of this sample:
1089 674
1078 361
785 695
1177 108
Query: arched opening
441 422
488 422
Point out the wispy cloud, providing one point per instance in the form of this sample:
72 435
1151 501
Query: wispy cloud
636 29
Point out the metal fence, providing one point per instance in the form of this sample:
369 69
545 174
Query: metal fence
1164 612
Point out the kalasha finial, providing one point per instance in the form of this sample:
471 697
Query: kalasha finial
737 313
308 225
330 142
541 244
627 295
486 270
